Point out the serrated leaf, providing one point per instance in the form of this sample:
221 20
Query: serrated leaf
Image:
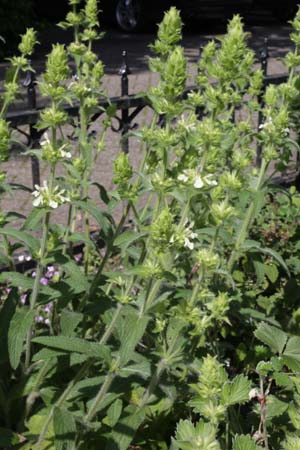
76 276
64 429
245 442
76 345
275 407
132 330
69 321
6 314
271 336
103 219
18 329
34 218
127 238
253 245
292 349
113 413
130 421
27 239
236 391
16 279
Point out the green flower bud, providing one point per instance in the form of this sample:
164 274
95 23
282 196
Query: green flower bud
4 140
57 68
169 32
230 181
77 49
207 259
174 74
122 169
222 211
162 231
91 13
28 42
271 96
52 117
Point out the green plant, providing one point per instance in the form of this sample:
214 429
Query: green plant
160 325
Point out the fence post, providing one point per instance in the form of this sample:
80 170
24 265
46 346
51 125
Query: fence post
34 135
124 72
263 57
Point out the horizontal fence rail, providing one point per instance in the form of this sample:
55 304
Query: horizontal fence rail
127 107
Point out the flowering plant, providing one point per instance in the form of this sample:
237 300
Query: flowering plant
153 340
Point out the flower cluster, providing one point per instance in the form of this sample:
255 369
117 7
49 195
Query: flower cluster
45 197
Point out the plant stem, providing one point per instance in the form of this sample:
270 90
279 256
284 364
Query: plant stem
37 284
248 218
101 394
60 401
263 416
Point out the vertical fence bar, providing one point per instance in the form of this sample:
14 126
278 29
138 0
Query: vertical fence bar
34 136
125 125
263 56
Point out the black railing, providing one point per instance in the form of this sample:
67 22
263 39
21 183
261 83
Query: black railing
127 108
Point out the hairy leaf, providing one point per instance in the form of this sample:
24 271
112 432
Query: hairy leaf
18 329
271 336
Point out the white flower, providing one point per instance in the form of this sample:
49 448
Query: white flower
189 235
253 394
46 198
45 139
198 182
183 177
65 154
209 181
188 244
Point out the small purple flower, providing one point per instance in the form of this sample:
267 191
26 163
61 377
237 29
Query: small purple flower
48 308
7 290
39 319
47 322
50 271
23 299
33 274
78 258
44 281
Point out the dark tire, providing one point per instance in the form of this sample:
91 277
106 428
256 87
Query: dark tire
285 11
129 15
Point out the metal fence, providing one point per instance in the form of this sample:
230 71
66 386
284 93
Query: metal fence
127 108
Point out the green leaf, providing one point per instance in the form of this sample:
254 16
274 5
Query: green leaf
271 272
76 276
271 336
74 344
124 432
29 241
275 407
16 279
113 413
103 219
69 321
6 314
34 218
18 329
236 391
127 238
245 442
8 438
103 193
291 354
253 245
64 429
132 330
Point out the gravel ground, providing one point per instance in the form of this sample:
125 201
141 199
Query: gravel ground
260 26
